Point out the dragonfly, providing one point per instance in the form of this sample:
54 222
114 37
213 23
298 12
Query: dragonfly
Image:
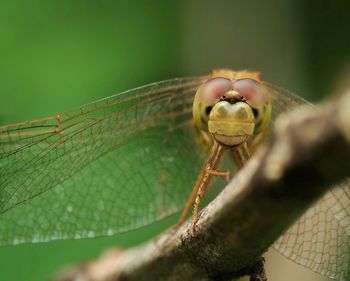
128 160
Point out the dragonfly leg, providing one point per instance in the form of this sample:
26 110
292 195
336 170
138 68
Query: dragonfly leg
199 197
202 182
240 154
190 199
220 173
209 171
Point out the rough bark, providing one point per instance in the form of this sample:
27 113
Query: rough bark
277 185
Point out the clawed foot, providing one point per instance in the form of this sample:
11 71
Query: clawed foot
195 220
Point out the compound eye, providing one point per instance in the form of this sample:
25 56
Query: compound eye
214 89
252 91
206 97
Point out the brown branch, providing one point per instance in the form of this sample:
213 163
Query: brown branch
295 168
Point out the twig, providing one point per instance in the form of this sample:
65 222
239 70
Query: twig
294 169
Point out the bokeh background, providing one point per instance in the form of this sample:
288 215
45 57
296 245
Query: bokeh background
55 55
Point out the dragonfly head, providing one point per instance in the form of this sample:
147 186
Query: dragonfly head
232 108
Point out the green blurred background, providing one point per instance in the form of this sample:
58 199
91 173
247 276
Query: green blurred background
55 55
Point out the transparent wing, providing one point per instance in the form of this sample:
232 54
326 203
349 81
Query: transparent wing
320 239
283 100
110 166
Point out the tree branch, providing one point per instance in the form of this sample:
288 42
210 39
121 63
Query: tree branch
271 192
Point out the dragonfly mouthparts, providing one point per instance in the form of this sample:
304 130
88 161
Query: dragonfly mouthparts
232 97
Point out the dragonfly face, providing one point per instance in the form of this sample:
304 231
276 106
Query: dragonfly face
232 106
231 120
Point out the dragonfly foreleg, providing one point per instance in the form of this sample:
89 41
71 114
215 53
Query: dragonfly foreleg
201 191
191 198
209 172
240 154
220 173
202 182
